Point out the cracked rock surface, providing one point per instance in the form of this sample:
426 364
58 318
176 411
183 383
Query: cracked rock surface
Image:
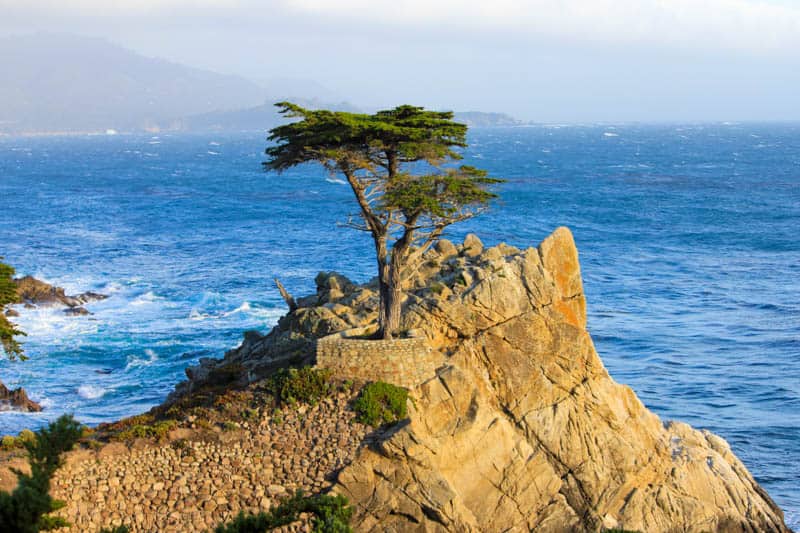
523 428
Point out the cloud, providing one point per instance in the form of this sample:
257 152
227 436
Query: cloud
94 8
746 25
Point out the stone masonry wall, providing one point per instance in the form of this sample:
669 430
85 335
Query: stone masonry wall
404 362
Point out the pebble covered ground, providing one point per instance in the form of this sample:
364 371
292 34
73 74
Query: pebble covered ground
202 478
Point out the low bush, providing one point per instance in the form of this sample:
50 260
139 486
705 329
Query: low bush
156 431
381 403
332 514
307 384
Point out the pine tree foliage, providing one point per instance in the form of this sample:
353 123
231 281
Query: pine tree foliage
8 332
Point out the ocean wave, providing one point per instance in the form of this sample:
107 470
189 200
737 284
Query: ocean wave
91 392
135 361
147 298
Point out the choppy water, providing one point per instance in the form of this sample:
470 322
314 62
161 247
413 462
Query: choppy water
689 241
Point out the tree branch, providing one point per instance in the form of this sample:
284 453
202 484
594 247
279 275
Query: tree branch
288 298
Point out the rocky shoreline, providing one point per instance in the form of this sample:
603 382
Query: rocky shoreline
519 428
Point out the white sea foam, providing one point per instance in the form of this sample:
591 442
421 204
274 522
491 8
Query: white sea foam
137 361
145 299
211 152
610 134
336 181
91 392
244 308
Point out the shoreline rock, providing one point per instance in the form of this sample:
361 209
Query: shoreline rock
36 293
17 400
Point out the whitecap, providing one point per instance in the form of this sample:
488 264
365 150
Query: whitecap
91 392
135 361
211 152
244 308
336 180
147 298
610 134
213 143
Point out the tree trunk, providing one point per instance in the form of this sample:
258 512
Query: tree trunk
394 303
383 282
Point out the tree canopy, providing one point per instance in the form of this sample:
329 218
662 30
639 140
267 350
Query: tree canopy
401 166
8 331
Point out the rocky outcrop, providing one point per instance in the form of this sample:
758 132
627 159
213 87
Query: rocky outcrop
521 428
16 400
524 429
34 292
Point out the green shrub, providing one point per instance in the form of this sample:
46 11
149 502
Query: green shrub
25 509
307 384
9 442
381 403
26 435
156 431
331 515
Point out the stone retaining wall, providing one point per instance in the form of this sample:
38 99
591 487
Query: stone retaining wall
405 362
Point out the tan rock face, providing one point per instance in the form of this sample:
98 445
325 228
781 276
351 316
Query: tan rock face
524 429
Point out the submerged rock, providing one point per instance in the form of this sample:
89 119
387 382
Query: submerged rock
16 400
76 311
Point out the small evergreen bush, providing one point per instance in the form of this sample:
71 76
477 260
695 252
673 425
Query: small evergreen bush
307 384
25 510
381 403
332 514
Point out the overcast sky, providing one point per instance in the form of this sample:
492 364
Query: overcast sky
552 61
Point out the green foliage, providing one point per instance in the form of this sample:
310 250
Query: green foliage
25 509
381 403
307 384
8 295
9 442
8 289
331 515
157 430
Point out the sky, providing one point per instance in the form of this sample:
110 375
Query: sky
540 60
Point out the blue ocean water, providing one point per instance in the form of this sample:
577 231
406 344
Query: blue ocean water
689 239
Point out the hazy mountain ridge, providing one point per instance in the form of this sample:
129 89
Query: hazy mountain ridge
68 83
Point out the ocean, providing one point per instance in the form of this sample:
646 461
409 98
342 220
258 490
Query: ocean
689 237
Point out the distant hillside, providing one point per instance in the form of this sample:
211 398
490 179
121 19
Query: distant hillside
69 83
479 119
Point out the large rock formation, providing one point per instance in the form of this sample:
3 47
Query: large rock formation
522 428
